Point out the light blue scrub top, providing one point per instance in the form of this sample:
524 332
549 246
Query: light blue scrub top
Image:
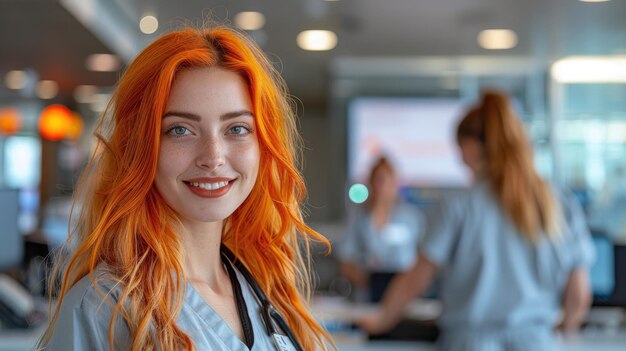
83 322
499 291
393 248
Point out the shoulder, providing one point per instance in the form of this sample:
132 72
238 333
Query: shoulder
357 214
85 314
358 210
460 198
476 202
93 293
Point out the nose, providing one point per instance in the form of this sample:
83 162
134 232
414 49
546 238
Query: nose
210 155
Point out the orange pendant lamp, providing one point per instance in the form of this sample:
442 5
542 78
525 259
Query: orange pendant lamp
54 122
10 121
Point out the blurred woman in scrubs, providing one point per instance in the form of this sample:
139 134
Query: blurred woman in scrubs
382 234
512 253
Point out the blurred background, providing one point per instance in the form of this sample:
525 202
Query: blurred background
369 77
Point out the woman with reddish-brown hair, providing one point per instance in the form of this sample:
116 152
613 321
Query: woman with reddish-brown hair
511 252
189 231
382 234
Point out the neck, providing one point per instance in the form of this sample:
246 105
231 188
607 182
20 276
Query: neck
201 243
384 203
479 173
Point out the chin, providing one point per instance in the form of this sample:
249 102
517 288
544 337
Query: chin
216 217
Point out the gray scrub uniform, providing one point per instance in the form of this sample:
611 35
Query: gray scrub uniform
393 248
83 322
499 291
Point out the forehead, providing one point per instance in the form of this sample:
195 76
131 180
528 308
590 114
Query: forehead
208 89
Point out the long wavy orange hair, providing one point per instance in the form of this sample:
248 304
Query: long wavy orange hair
124 223
510 170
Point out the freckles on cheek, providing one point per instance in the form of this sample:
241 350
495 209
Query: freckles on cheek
170 155
168 160
247 152
251 157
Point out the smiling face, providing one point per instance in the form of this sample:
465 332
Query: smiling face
209 153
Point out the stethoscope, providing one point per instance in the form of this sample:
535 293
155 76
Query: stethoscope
269 314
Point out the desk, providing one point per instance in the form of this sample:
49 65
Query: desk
340 310
336 314
594 341
584 341
23 340
351 340
389 346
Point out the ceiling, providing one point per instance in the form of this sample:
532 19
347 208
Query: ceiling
53 37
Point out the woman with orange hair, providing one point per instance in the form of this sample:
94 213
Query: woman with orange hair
189 232
510 250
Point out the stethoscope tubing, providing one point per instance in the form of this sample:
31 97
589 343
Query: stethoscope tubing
268 312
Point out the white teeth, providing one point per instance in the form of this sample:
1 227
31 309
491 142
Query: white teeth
209 186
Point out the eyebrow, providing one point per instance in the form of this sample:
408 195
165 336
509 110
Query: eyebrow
195 117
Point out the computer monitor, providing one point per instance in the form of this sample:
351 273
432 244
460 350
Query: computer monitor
603 269
608 273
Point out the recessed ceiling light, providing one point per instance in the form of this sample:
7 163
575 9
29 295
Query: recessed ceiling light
15 79
148 24
85 93
497 39
594 0
250 20
47 89
103 63
317 40
590 69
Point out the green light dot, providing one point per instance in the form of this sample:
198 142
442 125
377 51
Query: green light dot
358 193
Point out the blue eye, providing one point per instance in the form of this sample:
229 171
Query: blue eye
178 131
239 131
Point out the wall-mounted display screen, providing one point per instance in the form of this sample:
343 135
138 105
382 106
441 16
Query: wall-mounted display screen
417 134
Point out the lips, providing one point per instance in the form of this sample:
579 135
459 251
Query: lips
209 187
